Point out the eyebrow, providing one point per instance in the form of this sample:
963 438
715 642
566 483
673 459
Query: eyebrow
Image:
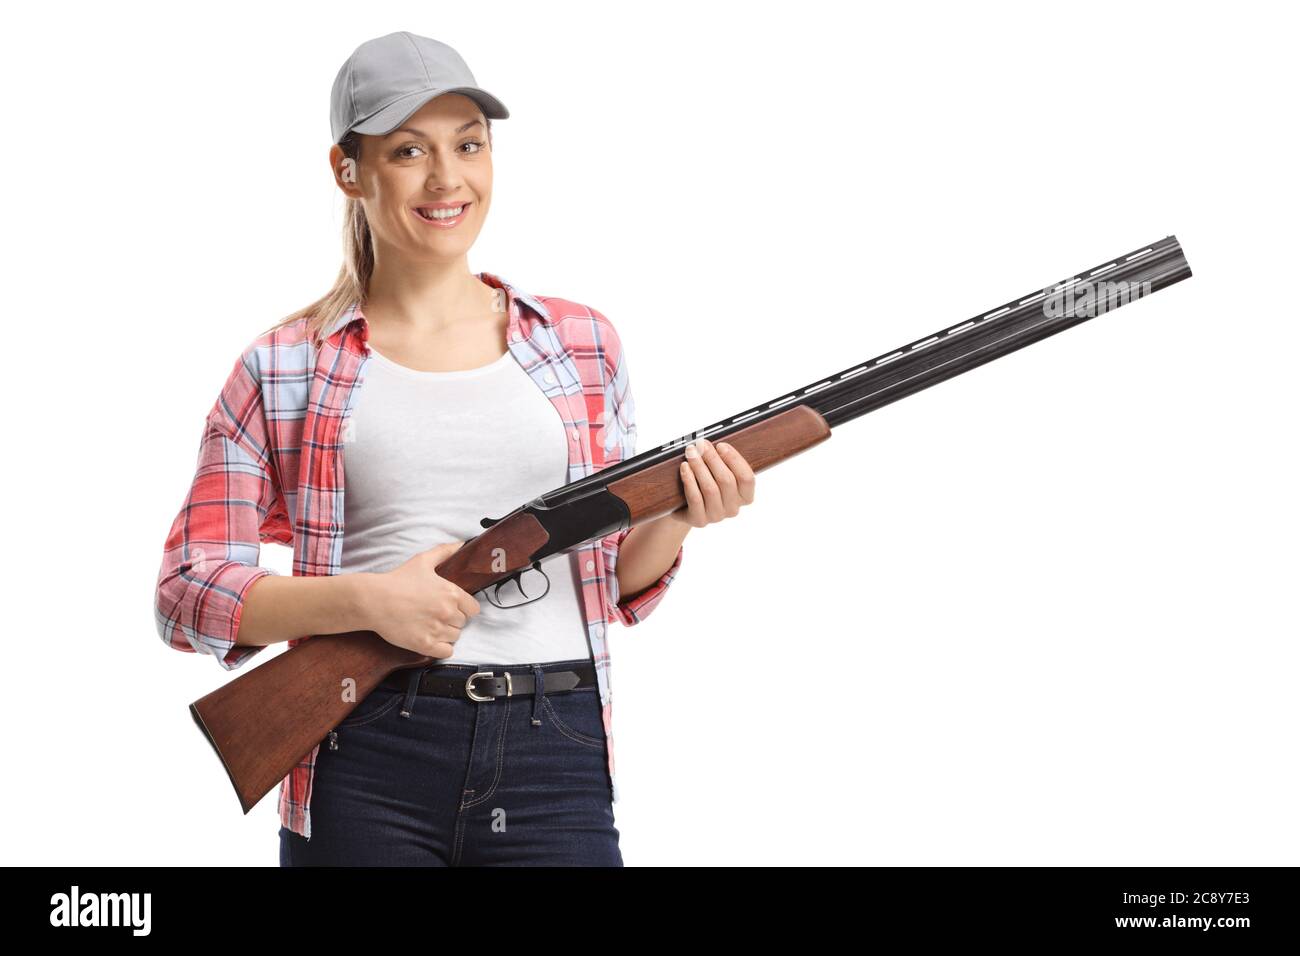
420 132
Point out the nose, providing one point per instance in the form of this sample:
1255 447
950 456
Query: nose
442 172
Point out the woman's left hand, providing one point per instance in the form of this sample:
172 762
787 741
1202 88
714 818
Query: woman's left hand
717 482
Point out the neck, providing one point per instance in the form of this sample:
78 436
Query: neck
424 297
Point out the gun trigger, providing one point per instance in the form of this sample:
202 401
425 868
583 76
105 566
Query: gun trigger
514 577
488 522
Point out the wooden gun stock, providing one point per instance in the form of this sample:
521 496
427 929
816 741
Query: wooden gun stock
262 723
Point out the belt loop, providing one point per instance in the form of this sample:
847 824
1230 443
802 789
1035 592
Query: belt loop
539 691
411 688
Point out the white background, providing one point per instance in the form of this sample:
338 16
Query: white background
1039 614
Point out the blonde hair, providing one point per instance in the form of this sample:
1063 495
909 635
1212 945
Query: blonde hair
353 281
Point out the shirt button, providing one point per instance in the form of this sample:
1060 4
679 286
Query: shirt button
591 565
549 377
516 336
575 434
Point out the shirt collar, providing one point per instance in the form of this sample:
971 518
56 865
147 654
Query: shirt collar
354 313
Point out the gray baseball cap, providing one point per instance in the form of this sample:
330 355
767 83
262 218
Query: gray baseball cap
388 78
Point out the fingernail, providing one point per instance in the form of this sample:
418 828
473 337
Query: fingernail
692 451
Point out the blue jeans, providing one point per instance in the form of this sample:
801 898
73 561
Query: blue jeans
519 780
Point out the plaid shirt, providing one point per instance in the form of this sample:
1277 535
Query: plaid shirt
269 469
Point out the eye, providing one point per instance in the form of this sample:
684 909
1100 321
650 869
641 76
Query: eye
401 151
477 144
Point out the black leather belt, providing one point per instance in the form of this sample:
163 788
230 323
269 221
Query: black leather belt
489 685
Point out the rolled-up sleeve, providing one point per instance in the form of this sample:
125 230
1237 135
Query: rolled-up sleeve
619 442
210 557
637 607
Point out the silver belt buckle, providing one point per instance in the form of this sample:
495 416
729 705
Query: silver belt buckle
469 686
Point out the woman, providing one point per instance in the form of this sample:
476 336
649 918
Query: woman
430 393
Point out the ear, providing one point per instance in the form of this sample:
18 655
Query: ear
344 169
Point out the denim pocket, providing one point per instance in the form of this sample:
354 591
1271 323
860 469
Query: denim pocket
378 703
581 721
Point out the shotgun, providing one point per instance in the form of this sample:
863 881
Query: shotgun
264 722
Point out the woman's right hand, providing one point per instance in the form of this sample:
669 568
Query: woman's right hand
415 609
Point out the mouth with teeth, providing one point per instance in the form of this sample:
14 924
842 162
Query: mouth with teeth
444 215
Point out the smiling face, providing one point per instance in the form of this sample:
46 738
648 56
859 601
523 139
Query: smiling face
427 185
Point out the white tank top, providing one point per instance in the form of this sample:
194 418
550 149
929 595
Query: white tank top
426 455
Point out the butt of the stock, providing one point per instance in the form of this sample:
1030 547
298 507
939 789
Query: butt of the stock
247 800
657 490
263 723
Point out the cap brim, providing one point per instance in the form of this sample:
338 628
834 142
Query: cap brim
395 113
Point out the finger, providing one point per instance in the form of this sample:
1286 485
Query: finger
691 490
722 476
708 487
442 550
718 467
467 604
744 474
